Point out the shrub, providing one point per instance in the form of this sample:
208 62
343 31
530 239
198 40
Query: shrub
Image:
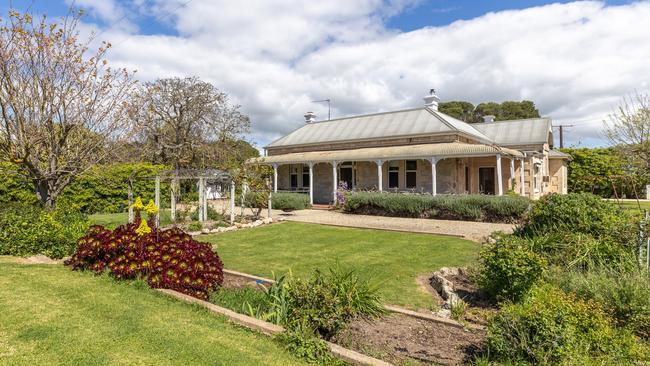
581 213
325 302
575 250
509 268
195 226
29 229
454 207
166 259
213 214
256 200
552 327
289 201
623 295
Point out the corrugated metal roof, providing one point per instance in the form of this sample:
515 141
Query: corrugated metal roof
442 150
411 122
557 154
517 132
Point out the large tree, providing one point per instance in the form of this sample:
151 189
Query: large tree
466 111
186 122
60 102
629 130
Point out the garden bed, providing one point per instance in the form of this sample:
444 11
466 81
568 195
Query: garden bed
398 337
475 207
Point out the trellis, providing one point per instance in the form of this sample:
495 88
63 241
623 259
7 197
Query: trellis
174 177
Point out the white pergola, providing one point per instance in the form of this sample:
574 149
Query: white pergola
433 153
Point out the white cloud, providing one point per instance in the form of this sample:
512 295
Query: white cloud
576 61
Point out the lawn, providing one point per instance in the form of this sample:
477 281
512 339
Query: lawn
633 205
113 220
50 315
392 259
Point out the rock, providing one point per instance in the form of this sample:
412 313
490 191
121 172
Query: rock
257 223
239 224
205 231
214 231
267 220
220 229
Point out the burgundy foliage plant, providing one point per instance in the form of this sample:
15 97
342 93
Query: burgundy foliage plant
169 259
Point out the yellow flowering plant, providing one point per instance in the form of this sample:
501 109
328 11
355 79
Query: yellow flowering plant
143 229
151 209
137 205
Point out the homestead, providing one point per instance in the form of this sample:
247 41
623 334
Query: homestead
417 150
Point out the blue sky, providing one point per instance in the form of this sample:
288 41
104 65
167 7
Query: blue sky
424 13
575 60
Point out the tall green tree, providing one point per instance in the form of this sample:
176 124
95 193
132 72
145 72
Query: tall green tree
458 109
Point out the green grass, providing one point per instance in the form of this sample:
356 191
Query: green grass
633 205
113 220
393 259
50 315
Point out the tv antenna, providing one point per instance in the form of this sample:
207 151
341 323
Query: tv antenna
329 107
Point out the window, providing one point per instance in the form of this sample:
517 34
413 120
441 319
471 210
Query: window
467 181
294 176
393 174
305 176
536 172
411 173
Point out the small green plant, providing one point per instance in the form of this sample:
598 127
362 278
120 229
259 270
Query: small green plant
509 268
304 344
213 215
458 309
195 226
327 301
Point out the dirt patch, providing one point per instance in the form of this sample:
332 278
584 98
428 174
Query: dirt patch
424 281
397 338
234 281
39 259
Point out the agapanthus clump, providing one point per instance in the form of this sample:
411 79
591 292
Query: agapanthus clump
164 258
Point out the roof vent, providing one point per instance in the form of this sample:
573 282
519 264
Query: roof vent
310 117
489 118
431 100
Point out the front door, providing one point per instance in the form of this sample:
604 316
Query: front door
486 180
346 175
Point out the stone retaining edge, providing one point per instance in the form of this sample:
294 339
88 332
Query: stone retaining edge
272 329
391 308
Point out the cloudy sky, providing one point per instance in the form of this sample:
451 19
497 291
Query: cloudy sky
575 60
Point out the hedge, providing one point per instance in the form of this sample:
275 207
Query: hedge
290 201
451 207
101 189
27 229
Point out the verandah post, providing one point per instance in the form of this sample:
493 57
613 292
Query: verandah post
434 176
499 176
275 177
380 178
334 179
311 183
522 165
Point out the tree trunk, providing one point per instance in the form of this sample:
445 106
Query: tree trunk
47 196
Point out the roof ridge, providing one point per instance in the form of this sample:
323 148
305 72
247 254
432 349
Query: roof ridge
365 115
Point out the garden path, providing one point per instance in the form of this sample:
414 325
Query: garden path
476 231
